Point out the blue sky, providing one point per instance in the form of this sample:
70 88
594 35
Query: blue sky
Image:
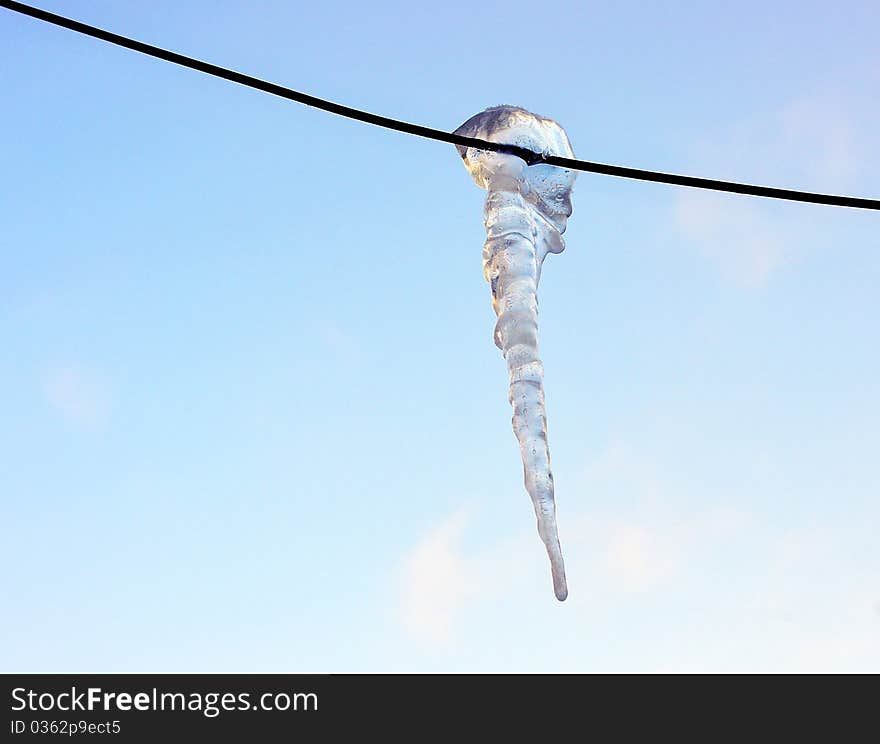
253 418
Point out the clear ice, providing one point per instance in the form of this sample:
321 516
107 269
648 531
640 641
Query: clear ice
525 215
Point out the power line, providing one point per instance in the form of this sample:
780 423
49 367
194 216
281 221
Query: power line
532 158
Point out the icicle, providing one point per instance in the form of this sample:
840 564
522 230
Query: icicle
525 215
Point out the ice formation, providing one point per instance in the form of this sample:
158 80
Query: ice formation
525 215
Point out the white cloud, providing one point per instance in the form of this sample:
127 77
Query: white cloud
441 580
811 144
725 589
637 557
437 581
745 242
631 546
342 344
78 396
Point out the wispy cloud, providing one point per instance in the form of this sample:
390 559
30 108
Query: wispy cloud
638 557
745 243
438 580
811 144
632 546
728 589
78 396
341 343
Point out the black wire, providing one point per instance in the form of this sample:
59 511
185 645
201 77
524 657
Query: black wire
532 158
